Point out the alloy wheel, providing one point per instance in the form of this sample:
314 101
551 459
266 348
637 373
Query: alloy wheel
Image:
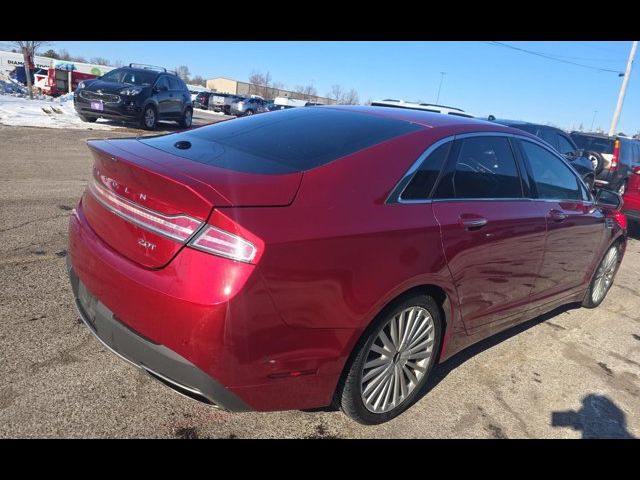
397 359
149 117
604 275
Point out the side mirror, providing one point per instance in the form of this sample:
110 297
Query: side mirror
609 199
570 156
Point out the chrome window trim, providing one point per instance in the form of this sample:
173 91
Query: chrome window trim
396 193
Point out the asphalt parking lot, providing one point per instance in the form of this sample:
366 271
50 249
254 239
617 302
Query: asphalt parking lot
574 373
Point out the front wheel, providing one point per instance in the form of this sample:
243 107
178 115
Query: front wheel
392 361
149 118
603 279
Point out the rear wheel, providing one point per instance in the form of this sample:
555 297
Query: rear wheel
248 112
603 279
392 361
187 118
597 161
84 118
149 118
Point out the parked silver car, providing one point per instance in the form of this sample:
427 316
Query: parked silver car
248 106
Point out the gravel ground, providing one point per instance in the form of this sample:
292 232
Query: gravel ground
573 373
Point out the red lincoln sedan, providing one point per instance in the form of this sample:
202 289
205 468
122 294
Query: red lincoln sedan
329 255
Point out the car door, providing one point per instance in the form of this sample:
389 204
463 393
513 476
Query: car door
177 96
492 233
575 227
162 96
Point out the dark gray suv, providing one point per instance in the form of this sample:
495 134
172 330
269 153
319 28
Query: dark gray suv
139 93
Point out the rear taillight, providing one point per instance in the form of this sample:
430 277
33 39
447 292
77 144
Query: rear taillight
616 155
176 227
619 217
220 242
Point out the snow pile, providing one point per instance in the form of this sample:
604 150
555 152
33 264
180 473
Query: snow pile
48 113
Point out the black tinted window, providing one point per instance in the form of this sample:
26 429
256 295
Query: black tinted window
596 144
163 82
423 180
553 179
284 141
548 136
484 168
564 146
174 83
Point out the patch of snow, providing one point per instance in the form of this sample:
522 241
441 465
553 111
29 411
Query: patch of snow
18 110
210 112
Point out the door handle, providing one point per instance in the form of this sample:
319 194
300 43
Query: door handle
557 215
472 222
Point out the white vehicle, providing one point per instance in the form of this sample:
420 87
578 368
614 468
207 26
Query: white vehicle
425 107
286 102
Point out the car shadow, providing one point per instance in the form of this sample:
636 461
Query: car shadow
441 371
599 417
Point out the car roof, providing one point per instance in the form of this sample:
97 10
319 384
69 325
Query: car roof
426 119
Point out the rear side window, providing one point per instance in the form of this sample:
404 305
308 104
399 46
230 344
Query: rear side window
595 144
554 180
484 168
424 179
548 136
284 141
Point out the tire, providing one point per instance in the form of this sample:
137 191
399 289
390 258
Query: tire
596 160
390 388
149 119
187 118
248 113
602 278
87 119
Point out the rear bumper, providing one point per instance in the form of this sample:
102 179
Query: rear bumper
160 362
234 351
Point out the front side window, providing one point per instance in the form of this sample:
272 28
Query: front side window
484 168
554 180
162 82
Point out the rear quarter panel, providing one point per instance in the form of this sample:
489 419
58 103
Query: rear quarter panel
339 254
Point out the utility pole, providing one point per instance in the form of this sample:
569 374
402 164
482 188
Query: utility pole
623 90
442 74
26 55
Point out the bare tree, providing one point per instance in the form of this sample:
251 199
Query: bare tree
336 93
199 80
306 90
183 72
350 98
29 49
343 97
100 61
262 84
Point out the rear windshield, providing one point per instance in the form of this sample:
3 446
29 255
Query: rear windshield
285 141
594 144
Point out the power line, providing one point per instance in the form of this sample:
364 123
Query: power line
555 58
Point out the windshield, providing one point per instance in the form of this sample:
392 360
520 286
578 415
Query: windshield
132 77
594 144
